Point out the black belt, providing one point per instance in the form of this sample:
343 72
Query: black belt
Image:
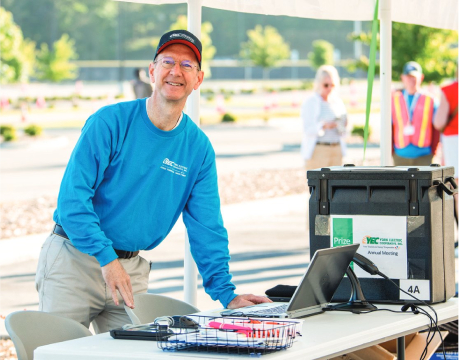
122 254
327 143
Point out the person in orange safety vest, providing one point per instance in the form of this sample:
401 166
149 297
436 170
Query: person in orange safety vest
414 138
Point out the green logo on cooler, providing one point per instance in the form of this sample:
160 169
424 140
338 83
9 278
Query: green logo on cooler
370 240
342 231
373 240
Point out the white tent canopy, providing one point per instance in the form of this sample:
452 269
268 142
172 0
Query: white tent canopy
441 14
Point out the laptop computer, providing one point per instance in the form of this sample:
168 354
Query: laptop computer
315 291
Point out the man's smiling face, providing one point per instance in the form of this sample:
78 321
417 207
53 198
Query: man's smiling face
175 84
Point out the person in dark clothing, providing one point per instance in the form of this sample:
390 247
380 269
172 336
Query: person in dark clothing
141 86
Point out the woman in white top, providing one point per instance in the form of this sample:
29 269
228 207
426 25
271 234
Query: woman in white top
324 121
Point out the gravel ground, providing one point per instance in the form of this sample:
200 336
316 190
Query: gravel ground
22 218
7 350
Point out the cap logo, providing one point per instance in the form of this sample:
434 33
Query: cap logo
183 36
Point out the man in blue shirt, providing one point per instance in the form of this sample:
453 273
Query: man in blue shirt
137 166
414 137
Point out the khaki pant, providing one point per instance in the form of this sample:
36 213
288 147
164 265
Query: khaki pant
325 156
425 160
70 284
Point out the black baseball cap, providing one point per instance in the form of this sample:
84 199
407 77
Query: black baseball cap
180 37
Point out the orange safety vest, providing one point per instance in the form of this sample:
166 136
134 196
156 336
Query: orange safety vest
451 93
421 121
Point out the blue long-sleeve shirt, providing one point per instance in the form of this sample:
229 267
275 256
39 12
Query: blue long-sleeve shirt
127 182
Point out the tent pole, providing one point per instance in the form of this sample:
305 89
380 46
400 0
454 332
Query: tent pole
190 287
385 74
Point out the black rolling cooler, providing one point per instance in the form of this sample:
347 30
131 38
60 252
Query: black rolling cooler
403 218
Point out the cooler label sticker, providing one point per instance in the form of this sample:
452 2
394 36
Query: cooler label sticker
417 288
382 239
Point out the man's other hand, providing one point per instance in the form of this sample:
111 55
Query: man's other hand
117 278
247 300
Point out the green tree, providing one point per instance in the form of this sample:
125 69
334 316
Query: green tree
265 48
102 29
434 49
109 30
17 55
208 50
54 65
321 54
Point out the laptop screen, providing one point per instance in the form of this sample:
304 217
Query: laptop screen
324 274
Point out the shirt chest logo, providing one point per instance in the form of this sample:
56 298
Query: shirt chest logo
174 168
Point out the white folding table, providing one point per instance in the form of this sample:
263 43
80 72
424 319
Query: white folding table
325 335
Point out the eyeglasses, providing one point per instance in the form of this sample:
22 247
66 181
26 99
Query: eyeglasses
168 63
326 85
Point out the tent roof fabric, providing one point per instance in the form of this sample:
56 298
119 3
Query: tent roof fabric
441 14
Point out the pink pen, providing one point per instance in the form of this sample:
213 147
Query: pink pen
241 329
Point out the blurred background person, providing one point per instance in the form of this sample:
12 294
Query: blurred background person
446 122
414 138
141 85
324 120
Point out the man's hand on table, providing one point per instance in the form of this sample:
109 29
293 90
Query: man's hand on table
247 300
117 278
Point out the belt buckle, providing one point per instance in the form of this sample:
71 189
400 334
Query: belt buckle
125 254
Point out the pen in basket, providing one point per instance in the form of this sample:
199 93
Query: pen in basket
252 331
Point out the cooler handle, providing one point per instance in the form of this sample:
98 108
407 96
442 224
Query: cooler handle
445 188
450 179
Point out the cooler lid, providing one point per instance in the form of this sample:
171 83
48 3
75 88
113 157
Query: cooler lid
350 171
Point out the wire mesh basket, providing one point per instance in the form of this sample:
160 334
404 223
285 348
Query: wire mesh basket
232 335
